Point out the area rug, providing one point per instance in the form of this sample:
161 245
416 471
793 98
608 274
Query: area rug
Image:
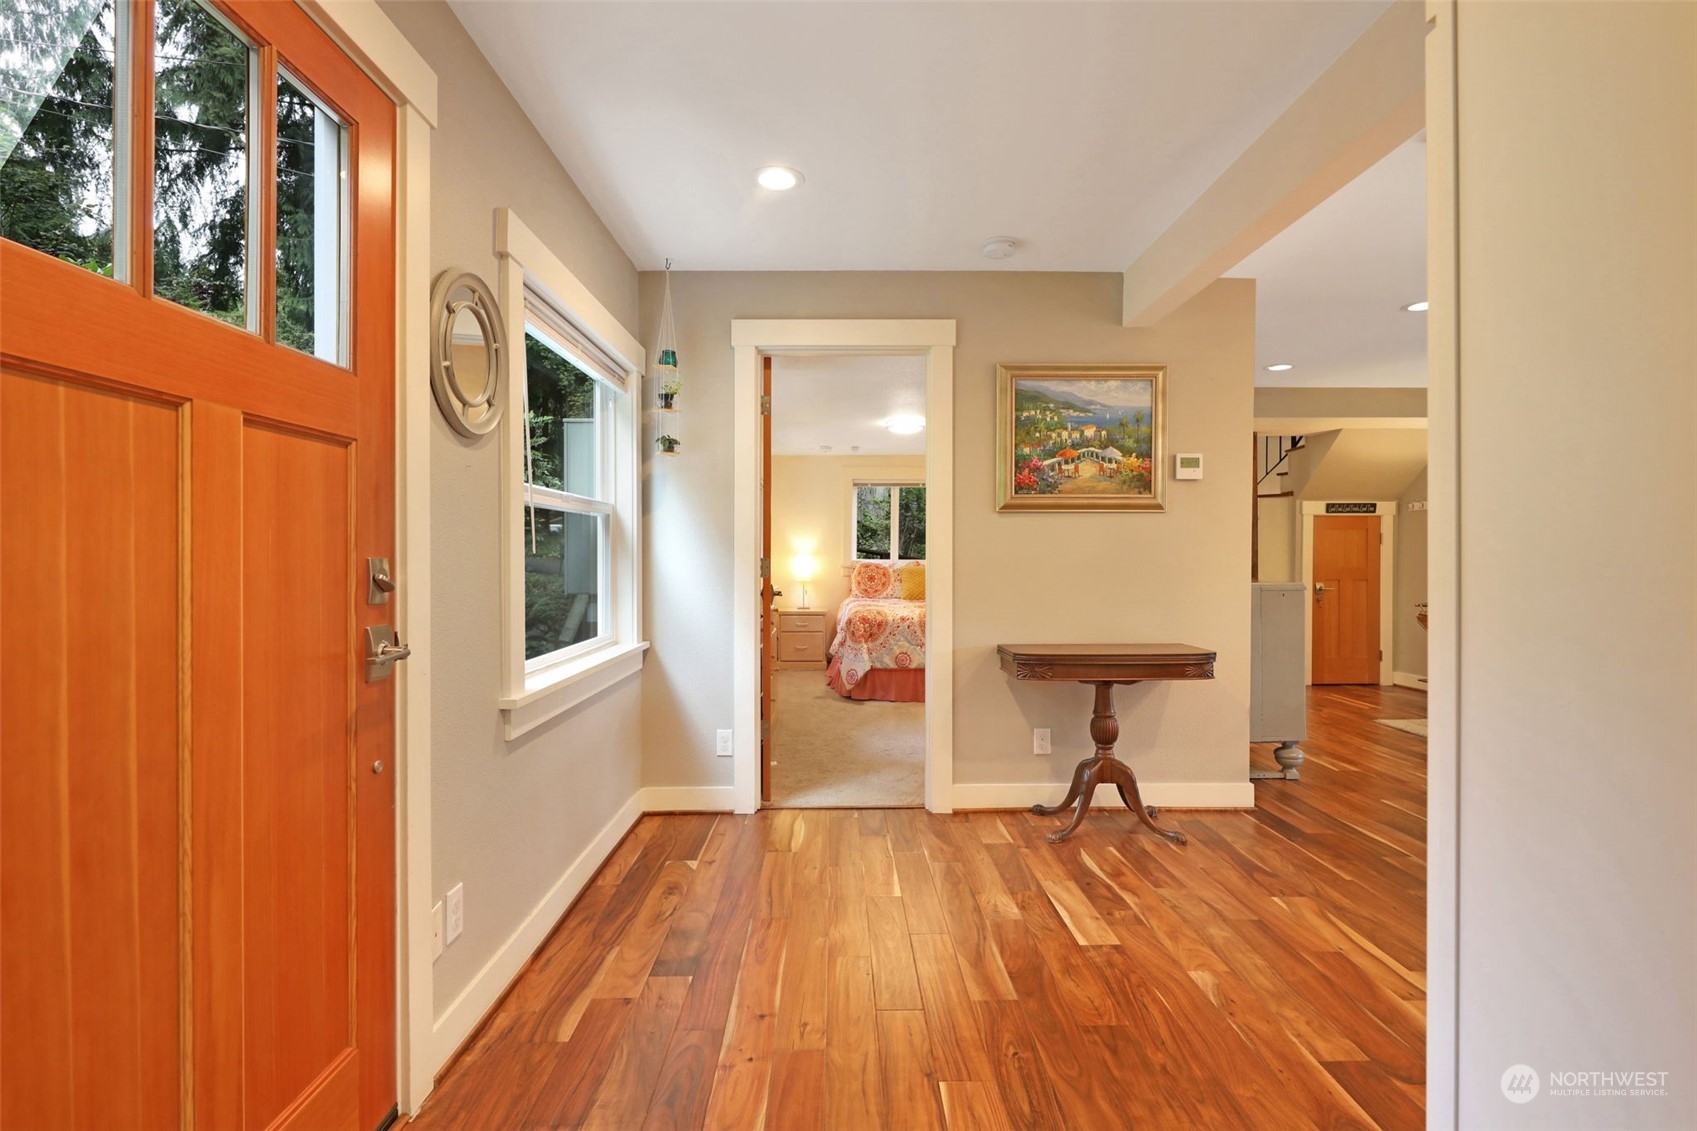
832 751
1412 726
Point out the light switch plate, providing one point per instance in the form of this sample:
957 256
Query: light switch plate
1187 465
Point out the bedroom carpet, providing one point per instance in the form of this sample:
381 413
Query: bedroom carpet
832 751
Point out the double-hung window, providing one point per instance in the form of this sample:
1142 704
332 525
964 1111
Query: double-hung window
889 522
568 495
572 524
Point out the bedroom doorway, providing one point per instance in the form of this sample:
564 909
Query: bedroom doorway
765 581
844 531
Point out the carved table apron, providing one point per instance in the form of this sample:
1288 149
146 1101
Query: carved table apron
1103 666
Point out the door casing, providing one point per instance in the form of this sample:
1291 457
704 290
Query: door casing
933 339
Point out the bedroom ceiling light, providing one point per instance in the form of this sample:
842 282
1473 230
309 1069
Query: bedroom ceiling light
1280 367
1417 307
1000 247
778 178
905 424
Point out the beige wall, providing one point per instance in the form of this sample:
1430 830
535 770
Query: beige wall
810 516
1180 576
1409 654
1277 535
1573 747
508 818
1367 402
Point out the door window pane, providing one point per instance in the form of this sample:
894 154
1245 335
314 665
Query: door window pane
311 224
872 522
202 84
911 521
563 408
58 90
562 579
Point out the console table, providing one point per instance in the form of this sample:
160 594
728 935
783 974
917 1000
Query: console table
1103 666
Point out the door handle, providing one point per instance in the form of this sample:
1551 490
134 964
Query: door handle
382 651
381 582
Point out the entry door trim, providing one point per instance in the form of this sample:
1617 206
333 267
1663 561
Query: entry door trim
1312 508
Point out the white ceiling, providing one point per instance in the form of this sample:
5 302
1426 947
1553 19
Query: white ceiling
1331 287
839 402
1081 129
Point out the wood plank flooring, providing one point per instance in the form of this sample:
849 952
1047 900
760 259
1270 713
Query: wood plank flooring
894 969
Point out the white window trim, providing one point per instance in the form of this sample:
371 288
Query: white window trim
851 536
531 695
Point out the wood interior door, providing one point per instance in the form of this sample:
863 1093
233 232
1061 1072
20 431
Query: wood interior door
197 875
1346 598
768 595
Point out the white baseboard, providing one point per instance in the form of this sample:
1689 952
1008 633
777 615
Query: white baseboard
1170 795
1408 679
456 1022
689 799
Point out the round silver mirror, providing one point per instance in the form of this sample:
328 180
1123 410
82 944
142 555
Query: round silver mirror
468 352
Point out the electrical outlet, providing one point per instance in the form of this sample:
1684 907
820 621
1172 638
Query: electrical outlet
436 943
456 913
1040 741
723 749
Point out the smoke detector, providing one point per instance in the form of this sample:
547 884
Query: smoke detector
1000 247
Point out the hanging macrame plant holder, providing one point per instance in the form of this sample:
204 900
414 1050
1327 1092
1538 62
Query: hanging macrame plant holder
666 374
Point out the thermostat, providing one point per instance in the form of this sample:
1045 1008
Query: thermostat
1187 465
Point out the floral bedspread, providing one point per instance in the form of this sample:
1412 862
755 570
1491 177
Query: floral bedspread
878 632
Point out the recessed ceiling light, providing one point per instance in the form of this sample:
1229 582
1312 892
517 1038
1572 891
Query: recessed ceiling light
1280 367
778 178
1000 247
1417 307
905 424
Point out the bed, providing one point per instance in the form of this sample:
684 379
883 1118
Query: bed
878 651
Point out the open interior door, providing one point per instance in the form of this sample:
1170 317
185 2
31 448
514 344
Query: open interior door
767 593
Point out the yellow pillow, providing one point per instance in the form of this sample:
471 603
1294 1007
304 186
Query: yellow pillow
910 582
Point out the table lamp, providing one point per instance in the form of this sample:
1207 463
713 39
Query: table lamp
803 566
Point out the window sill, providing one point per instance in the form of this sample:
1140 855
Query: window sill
559 689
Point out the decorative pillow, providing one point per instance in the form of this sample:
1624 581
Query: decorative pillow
872 579
910 582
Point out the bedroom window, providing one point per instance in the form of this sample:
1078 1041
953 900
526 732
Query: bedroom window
889 522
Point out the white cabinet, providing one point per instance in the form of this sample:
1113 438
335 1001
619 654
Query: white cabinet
1278 696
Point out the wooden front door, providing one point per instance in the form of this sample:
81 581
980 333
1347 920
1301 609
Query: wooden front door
1346 598
197 793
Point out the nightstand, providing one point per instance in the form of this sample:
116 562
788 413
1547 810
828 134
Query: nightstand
801 638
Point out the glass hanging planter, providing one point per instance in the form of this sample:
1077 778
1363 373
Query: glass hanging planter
667 416
666 369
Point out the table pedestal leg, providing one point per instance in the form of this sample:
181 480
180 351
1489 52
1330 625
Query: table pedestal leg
1100 769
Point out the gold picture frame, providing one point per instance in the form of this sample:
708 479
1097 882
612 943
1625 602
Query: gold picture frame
1081 437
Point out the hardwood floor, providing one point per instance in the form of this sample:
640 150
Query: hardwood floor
895 969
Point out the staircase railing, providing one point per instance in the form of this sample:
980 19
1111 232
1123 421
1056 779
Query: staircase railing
1274 451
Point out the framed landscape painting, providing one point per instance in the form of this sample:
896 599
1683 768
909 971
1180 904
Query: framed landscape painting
1081 437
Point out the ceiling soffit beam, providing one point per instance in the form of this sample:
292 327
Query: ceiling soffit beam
1368 102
